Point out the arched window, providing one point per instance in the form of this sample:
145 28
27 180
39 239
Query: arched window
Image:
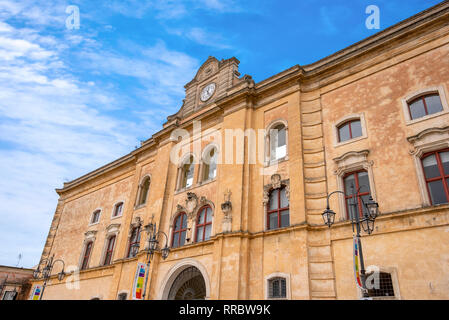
109 251
204 224
277 288
350 130
358 183
278 142
143 194
179 230
278 210
95 217
436 173
134 242
118 210
86 256
425 105
210 165
187 171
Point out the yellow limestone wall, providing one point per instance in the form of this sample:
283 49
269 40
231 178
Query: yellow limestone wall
409 240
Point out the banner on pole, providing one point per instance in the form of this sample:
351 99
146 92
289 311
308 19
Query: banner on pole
36 292
358 279
139 279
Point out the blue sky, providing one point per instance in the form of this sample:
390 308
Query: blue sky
72 100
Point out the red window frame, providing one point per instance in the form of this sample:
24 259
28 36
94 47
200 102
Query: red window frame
442 176
181 216
423 98
278 210
134 239
203 224
350 122
359 194
86 256
109 250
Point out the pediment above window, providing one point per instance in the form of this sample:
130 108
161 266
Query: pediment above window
429 140
351 161
113 228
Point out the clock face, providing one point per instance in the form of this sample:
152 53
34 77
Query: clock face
207 92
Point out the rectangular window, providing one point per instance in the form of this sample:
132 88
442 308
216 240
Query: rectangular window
357 192
382 286
278 213
122 296
10 295
118 210
134 242
95 216
109 251
277 288
86 256
436 172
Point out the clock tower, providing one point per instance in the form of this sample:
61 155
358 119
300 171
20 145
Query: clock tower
211 83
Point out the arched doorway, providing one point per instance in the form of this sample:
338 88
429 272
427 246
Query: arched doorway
188 285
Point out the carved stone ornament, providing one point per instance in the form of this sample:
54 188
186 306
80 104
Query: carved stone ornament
137 222
191 203
226 207
90 235
276 183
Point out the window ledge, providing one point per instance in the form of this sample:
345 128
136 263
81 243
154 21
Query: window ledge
384 298
202 183
340 144
277 229
430 116
93 224
183 190
113 218
271 163
140 206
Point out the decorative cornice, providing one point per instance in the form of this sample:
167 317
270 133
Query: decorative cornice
427 132
351 154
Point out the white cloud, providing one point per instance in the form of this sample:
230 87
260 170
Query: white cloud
52 127
162 72
55 126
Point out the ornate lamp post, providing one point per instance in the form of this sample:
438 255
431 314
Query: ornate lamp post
152 246
366 222
45 273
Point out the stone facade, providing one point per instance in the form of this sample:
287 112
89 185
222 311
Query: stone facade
14 283
372 81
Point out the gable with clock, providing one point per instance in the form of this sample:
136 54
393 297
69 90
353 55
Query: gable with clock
211 82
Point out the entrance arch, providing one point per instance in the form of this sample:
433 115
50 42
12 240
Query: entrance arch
187 280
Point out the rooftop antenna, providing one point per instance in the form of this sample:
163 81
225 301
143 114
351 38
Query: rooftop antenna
19 258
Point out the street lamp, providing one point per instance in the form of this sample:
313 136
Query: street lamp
46 272
152 246
369 215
